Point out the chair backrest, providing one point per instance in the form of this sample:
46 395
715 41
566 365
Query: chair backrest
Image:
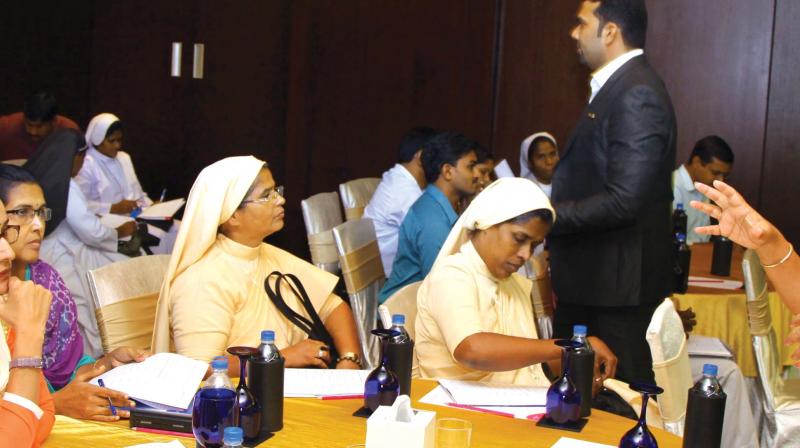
765 339
17 162
363 275
537 270
404 301
125 294
321 213
671 366
356 195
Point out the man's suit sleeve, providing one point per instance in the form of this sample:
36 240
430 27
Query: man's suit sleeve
637 135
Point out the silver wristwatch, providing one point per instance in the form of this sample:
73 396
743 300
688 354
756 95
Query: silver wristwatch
31 363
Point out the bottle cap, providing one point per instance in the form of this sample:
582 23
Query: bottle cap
681 237
233 435
579 330
398 319
267 336
679 206
710 369
219 363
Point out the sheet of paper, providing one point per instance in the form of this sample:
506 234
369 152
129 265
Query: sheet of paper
323 382
567 442
172 444
164 379
113 220
439 396
475 393
717 283
503 169
163 210
706 346
156 232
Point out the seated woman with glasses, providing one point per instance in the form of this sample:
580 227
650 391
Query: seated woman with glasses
26 407
214 297
475 320
66 367
75 240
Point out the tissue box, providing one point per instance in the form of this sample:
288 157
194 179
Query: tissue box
385 431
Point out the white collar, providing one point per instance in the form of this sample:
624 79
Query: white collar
685 179
602 75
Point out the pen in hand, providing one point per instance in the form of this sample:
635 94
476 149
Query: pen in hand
163 195
110 405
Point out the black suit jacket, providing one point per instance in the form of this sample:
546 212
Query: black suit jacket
611 243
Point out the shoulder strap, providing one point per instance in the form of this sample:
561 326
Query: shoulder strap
276 297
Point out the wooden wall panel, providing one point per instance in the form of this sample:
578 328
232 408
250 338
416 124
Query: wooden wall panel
714 56
542 85
780 187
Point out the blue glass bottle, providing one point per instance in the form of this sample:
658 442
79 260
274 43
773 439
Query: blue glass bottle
249 408
640 436
563 398
215 406
382 386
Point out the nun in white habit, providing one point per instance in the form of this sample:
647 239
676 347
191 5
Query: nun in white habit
108 180
539 167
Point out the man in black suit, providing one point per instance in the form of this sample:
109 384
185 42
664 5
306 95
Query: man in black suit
611 249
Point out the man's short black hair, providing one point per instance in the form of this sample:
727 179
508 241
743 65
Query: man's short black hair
413 141
629 15
444 148
41 106
710 148
482 154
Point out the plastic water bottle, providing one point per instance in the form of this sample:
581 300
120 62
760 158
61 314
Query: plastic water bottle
233 437
705 411
215 406
683 259
400 353
265 377
679 219
582 368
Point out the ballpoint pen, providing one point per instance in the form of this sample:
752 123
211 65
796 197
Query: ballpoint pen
110 405
163 195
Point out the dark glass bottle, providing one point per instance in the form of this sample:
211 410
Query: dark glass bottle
721 256
249 408
679 220
382 386
400 353
640 436
683 260
563 399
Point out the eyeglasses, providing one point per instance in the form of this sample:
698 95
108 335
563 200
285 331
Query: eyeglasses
271 196
25 214
10 233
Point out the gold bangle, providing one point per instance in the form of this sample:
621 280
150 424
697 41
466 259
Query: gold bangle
783 260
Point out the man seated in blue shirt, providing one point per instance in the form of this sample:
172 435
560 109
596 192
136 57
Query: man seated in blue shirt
449 162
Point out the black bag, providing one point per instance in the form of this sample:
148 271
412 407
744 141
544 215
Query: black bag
314 327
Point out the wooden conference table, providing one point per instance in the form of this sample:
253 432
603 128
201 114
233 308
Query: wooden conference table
723 313
310 422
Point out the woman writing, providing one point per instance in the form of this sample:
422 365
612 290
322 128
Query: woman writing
66 368
475 319
213 295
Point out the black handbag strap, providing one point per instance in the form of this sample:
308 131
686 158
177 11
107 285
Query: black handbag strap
313 326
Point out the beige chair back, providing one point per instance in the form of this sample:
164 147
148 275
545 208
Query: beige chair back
362 270
356 195
125 294
17 162
671 366
404 301
321 213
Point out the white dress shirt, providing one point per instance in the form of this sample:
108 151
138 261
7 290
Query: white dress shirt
683 192
395 194
601 76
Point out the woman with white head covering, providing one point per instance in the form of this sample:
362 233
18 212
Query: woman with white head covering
475 320
538 156
27 412
213 295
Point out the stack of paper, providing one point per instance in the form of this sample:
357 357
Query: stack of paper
162 210
523 402
164 380
322 383
705 346
716 283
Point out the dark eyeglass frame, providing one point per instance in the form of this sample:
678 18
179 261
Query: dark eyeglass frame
9 232
26 214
